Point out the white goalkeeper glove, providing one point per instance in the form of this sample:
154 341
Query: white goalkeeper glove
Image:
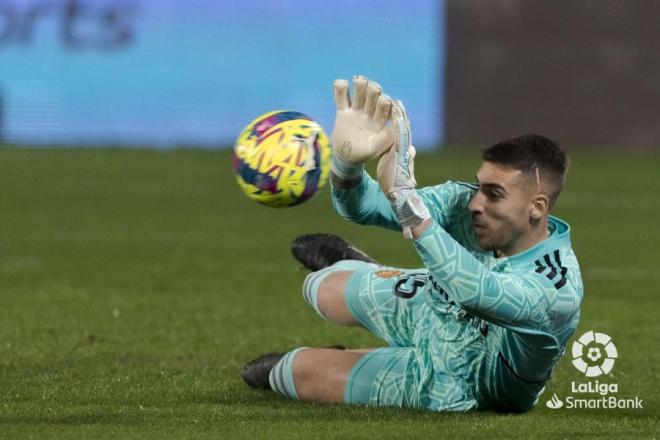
396 174
360 131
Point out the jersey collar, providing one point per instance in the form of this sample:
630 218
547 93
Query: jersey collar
560 237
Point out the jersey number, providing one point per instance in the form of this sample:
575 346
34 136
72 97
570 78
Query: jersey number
406 286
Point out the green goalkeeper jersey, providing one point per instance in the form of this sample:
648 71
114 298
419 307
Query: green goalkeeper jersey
522 309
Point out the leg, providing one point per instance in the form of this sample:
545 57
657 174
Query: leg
388 302
320 375
325 290
313 374
381 377
389 376
331 298
256 372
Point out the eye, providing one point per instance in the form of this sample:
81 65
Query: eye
492 194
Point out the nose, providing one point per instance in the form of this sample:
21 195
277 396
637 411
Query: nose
476 205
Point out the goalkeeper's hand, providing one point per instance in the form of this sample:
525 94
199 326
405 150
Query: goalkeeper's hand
396 174
361 131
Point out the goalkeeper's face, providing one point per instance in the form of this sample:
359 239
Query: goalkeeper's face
502 208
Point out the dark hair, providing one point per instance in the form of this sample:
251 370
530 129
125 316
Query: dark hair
530 152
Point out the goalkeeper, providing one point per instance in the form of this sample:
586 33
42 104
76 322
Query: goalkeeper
486 320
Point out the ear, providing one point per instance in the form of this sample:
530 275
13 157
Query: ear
540 207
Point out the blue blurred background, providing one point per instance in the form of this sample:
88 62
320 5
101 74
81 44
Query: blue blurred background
177 73
163 73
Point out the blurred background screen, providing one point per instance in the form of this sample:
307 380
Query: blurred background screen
163 73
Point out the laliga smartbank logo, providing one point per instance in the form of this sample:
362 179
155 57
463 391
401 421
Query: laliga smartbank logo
594 355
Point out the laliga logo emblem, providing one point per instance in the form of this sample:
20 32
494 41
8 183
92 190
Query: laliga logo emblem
594 354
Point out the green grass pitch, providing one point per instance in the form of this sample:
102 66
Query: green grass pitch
135 284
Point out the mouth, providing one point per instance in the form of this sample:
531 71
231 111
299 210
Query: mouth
478 227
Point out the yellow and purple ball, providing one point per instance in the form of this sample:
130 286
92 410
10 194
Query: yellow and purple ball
282 158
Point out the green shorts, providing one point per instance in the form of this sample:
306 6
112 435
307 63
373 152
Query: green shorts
418 369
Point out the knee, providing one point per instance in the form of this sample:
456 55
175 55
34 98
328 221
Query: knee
324 291
331 296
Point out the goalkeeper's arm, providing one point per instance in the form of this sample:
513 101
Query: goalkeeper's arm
364 203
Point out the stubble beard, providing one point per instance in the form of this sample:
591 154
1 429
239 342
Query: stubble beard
494 241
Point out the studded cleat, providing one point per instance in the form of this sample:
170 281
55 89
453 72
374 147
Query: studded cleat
255 373
318 251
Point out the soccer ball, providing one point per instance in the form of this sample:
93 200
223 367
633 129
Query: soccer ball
282 158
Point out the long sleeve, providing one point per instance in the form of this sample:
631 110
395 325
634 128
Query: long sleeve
366 204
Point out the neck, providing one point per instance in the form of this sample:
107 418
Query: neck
533 237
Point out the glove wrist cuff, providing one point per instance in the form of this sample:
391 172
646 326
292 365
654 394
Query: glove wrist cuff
345 170
408 208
